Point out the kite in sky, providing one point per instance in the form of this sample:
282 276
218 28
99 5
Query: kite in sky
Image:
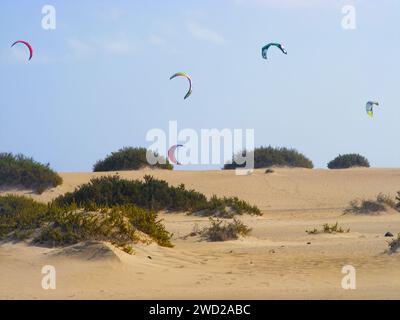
182 74
27 45
171 154
370 107
266 48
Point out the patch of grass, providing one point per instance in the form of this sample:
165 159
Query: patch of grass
394 245
18 170
346 161
22 218
380 204
221 230
327 228
153 194
265 157
128 159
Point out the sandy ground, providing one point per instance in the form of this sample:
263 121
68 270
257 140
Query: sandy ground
279 260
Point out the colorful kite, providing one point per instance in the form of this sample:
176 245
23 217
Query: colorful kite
171 154
370 107
182 74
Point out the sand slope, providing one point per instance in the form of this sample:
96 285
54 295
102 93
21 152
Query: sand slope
279 260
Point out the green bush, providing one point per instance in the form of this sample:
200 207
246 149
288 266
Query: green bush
18 170
20 214
152 194
127 159
220 230
265 157
348 161
22 218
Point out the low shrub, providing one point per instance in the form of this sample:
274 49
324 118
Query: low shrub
153 194
265 157
327 228
18 170
386 200
118 225
220 230
380 204
348 161
20 215
128 159
23 218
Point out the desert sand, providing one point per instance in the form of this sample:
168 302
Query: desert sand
279 260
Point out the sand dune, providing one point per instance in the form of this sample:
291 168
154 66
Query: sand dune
278 260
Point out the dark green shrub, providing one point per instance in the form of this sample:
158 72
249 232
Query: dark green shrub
220 230
348 161
228 207
18 170
265 157
127 159
152 194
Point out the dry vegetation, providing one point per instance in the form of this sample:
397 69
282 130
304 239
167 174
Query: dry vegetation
221 230
381 204
24 219
330 229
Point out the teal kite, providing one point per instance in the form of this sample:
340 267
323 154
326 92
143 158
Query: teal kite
266 48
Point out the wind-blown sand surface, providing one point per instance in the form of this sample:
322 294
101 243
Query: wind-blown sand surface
278 261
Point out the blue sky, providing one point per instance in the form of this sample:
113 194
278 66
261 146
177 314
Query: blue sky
100 81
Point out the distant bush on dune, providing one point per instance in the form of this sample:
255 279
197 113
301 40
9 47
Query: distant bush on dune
153 194
265 157
127 159
22 218
381 204
18 170
348 161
